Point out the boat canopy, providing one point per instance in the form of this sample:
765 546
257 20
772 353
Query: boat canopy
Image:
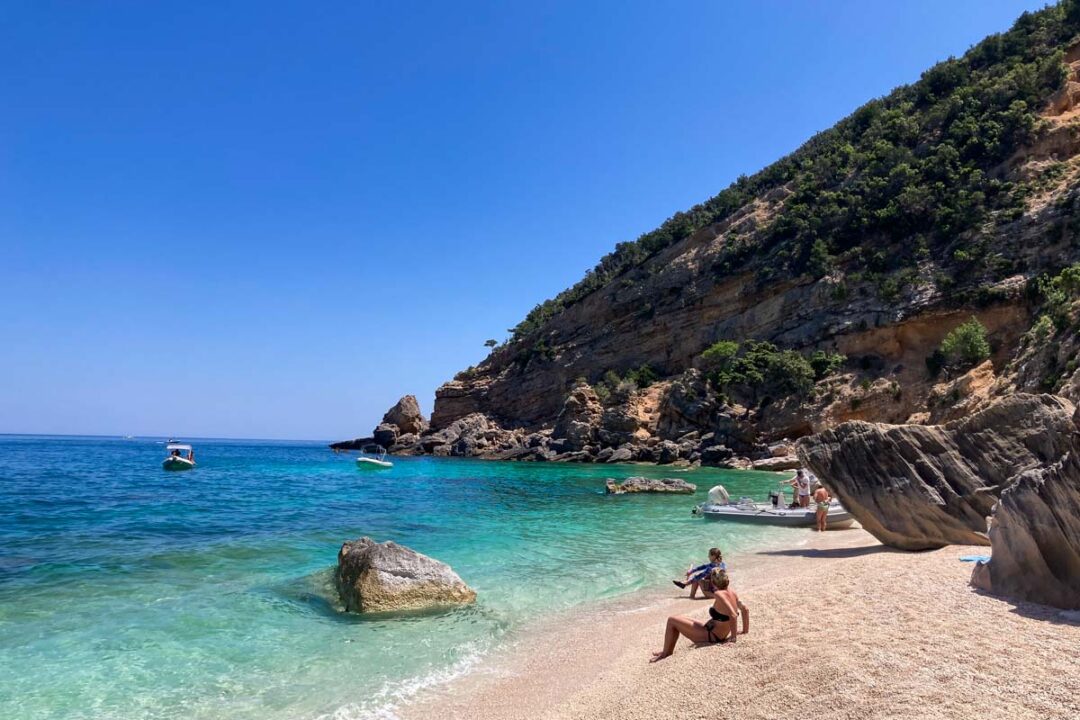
177 446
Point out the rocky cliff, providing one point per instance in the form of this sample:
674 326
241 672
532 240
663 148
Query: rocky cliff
849 264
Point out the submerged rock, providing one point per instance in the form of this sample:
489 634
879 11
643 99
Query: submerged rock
384 577
1035 535
919 487
648 485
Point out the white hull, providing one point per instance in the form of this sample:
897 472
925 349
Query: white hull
177 463
766 514
372 463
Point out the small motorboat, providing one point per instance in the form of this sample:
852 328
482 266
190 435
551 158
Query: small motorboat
180 457
373 457
747 510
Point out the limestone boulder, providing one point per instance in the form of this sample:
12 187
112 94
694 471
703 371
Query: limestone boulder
387 577
1035 538
784 462
406 415
648 485
919 487
386 434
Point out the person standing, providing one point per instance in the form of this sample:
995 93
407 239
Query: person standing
821 498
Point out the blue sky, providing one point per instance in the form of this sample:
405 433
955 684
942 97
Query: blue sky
271 219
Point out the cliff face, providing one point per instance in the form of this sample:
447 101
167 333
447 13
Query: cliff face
944 201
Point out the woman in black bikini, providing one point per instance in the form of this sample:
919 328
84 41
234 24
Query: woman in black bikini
721 628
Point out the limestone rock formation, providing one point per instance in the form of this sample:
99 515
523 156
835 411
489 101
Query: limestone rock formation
406 415
385 577
1035 536
919 487
580 417
783 462
648 485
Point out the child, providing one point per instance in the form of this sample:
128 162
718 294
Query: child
699 577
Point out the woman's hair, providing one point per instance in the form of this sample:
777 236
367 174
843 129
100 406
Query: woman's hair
715 553
720 579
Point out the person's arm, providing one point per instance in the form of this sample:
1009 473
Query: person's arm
745 617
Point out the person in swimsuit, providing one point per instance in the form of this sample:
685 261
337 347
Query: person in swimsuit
723 623
699 577
801 487
821 500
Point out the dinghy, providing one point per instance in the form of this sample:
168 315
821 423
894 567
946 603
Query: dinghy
746 510
373 457
180 457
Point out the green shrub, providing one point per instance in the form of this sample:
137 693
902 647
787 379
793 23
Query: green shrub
757 370
965 346
826 363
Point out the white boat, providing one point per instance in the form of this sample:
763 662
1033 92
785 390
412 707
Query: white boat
180 457
746 510
373 457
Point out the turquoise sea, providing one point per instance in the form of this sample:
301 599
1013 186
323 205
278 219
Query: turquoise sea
130 592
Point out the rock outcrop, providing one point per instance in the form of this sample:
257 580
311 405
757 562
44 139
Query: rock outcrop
406 415
1035 538
918 487
387 577
648 485
579 419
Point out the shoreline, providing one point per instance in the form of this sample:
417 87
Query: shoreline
841 626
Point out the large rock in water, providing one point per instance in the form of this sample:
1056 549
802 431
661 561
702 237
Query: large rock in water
1035 535
647 485
919 487
384 577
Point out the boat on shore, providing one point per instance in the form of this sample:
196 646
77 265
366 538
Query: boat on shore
373 457
180 457
748 511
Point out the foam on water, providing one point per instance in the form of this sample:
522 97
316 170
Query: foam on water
126 591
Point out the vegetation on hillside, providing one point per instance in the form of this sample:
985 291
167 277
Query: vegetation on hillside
905 178
755 370
964 347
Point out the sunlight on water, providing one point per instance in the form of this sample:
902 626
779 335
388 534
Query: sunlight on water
130 592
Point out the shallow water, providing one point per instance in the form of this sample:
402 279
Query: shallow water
130 592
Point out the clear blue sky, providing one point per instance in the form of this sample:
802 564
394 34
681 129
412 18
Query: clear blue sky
271 219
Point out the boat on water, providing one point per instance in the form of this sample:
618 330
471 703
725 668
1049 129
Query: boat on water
180 457
747 510
373 457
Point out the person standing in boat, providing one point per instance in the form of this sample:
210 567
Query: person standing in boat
801 487
821 501
699 578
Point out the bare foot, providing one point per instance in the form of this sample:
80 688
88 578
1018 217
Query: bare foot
658 656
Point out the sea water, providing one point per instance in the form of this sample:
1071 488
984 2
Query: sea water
130 592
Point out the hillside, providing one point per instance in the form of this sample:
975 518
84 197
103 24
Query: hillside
828 286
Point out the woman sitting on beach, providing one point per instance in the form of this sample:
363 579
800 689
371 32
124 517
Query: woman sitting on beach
722 626
699 577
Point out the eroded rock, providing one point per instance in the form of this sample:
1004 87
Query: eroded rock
918 487
1035 535
648 485
386 577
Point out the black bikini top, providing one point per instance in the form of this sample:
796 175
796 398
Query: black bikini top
717 615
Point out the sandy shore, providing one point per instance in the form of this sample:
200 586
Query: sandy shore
841 627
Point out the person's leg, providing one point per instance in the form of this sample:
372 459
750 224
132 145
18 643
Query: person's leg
804 501
694 588
677 625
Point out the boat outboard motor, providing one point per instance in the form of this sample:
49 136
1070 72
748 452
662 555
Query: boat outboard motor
774 498
718 495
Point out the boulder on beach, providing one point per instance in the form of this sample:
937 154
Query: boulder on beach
648 485
1035 538
919 487
385 577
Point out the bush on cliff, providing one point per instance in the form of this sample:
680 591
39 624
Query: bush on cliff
756 370
964 347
